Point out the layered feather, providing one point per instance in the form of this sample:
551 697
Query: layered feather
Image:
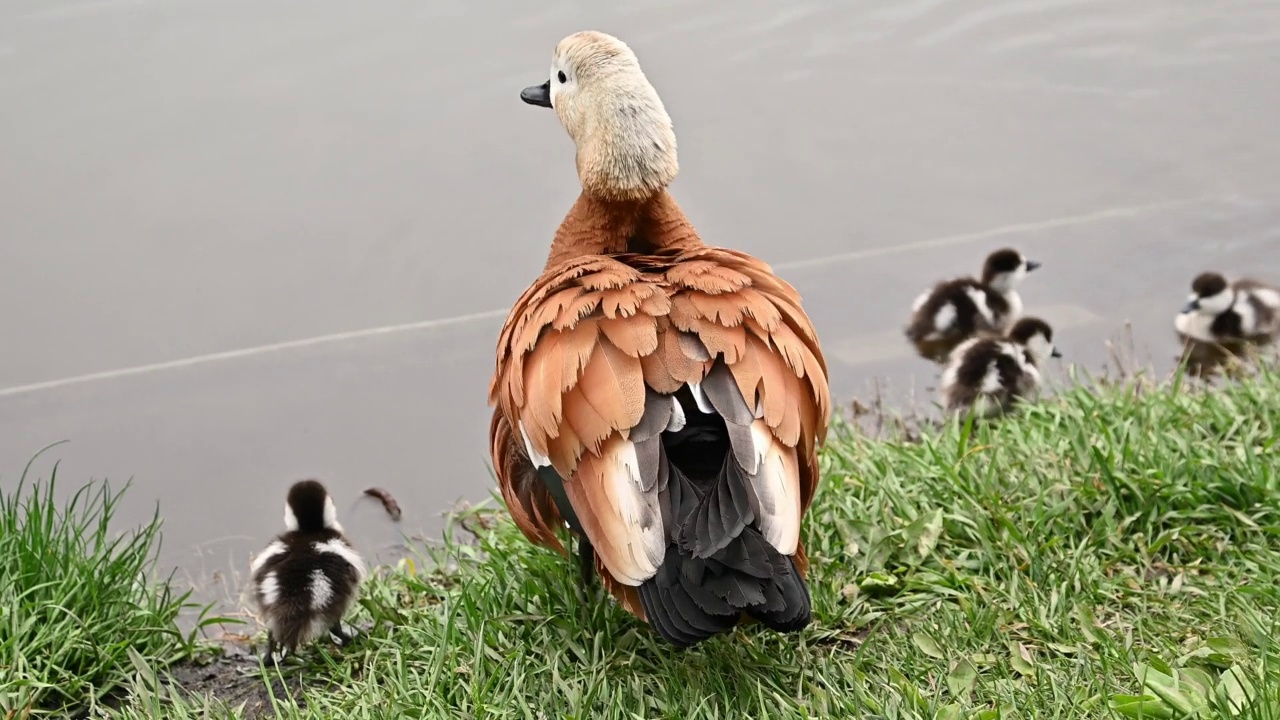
588 364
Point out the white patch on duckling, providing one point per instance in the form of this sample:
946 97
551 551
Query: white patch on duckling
1218 303
535 457
991 381
267 553
290 520
344 551
1248 317
949 375
1033 375
953 362
331 515
1268 297
1006 281
315 629
920 301
944 317
1015 308
979 299
269 590
1195 325
321 590
1040 348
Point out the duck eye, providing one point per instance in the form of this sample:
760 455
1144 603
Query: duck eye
560 76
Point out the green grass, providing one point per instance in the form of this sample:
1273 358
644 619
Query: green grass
75 598
1111 552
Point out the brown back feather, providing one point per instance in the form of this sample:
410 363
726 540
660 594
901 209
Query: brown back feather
601 323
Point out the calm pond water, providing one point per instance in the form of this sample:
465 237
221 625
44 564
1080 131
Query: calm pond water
247 241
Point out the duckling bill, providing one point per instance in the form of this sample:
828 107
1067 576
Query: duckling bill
305 581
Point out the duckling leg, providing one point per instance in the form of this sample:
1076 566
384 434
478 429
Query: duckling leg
269 657
340 635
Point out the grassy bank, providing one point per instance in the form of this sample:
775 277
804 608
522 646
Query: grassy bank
1105 554
76 599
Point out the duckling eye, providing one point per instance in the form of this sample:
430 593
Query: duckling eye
561 77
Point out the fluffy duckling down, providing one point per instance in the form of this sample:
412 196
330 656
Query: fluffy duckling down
1242 312
955 310
1222 322
988 374
305 581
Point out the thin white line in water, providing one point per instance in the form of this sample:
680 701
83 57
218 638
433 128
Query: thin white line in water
499 313
1031 227
252 351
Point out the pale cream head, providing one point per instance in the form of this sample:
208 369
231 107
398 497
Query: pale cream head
624 137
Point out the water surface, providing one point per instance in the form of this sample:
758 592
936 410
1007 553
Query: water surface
247 241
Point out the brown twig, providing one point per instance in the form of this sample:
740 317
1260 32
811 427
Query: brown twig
388 502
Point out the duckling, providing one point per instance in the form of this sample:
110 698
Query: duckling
988 373
955 310
1223 321
303 583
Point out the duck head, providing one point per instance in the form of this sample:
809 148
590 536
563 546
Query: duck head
308 508
1005 268
626 145
1210 294
1036 336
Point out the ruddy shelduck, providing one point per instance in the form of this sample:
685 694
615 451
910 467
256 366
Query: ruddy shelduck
661 398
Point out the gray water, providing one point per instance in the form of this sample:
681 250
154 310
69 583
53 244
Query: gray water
247 241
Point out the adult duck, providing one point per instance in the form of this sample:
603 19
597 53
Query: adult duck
662 398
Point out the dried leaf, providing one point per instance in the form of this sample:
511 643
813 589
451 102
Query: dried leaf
1021 660
927 645
961 679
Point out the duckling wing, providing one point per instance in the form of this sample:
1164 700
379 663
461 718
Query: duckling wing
588 365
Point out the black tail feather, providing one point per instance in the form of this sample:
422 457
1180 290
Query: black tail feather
788 606
717 565
691 599
720 515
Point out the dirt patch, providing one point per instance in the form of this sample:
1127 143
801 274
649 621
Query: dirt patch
232 675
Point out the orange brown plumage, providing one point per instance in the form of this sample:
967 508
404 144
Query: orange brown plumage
585 341
661 398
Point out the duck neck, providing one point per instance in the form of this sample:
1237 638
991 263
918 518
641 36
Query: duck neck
595 226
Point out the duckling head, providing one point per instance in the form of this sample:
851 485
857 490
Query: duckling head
308 508
1210 294
626 145
1005 268
1036 336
